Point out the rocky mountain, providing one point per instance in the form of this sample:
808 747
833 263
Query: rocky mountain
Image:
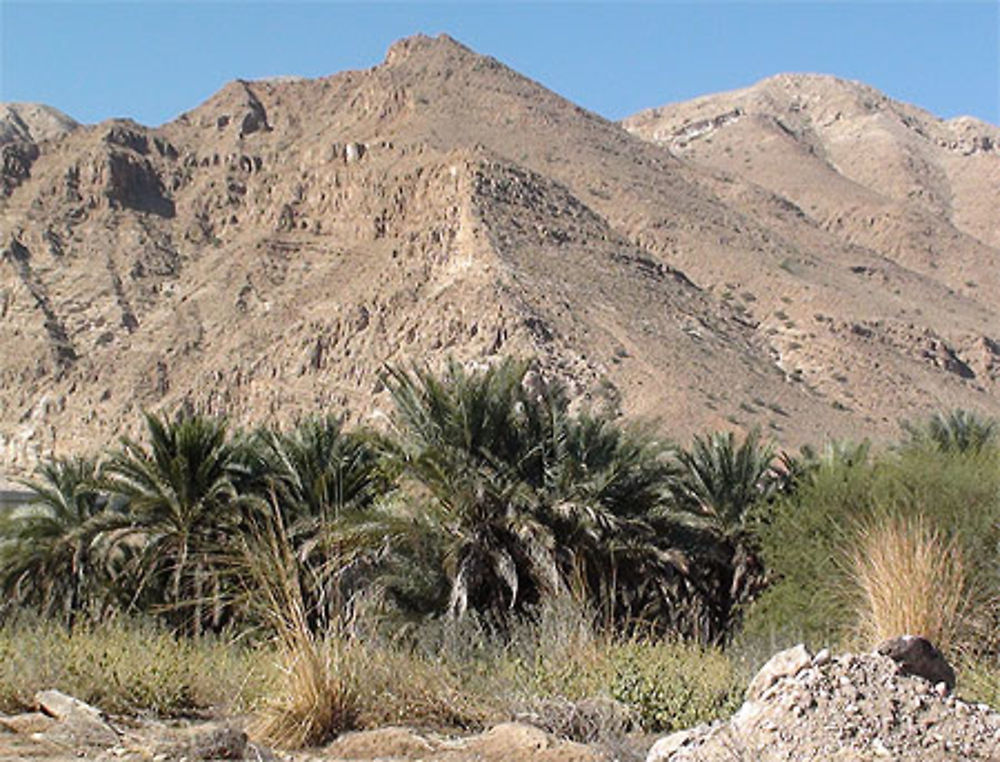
267 253
22 127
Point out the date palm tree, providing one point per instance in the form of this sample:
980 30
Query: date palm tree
324 481
529 499
46 547
466 452
182 506
722 483
955 431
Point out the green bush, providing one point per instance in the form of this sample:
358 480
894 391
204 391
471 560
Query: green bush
673 685
979 680
808 537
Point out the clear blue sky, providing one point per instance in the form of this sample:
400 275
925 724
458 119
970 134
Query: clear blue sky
153 60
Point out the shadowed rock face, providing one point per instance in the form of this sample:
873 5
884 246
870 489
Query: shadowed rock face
918 656
267 253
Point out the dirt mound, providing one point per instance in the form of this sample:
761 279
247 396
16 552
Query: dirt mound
849 707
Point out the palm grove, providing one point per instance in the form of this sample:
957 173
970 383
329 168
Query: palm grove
487 497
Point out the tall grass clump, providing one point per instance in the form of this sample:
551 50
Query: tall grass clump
908 579
316 694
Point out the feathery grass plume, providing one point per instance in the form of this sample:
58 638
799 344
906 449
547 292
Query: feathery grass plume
910 579
317 696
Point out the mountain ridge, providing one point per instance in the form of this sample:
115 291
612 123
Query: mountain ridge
270 250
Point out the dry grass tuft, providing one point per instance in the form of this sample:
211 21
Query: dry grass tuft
317 698
909 579
317 695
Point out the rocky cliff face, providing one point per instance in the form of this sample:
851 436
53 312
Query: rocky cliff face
268 252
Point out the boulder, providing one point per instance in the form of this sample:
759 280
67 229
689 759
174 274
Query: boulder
64 707
787 663
918 656
79 724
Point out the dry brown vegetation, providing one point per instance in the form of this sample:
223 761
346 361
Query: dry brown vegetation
910 579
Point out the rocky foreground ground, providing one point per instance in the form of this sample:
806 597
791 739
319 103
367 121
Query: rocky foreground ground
895 704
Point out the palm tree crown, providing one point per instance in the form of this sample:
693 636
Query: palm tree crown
182 500
45 557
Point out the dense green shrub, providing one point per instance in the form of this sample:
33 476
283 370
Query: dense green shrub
673 685
808 536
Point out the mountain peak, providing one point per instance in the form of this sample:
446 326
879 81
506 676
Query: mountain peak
422 44
33 122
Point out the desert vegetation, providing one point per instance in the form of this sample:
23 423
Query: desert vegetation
495 551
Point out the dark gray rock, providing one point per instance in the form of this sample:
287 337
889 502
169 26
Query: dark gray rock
918 656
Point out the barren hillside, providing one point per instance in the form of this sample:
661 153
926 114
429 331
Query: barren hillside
267 253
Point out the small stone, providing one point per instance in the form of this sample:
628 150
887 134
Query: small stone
822 657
